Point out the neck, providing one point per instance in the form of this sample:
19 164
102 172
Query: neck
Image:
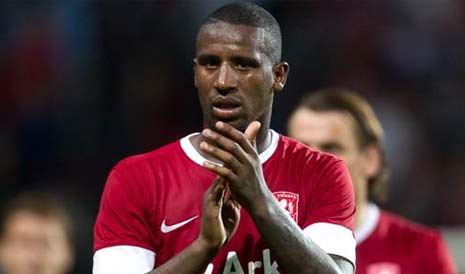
263 139
263 136
360 213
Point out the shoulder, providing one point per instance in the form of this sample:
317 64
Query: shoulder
133 180
149 159
397 222
394 224
294 150
424 242
143 170
321 175
312 168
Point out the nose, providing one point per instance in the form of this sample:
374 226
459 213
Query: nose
226 79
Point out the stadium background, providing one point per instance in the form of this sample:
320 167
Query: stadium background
85 83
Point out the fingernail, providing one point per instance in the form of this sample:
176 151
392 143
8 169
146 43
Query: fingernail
219 124
203 145
207 164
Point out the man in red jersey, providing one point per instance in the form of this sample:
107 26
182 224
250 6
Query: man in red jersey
238 197
343 123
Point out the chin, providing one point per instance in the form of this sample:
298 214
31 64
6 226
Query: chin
239 125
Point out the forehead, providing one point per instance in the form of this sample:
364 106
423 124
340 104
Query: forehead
220 36
322 126
27 223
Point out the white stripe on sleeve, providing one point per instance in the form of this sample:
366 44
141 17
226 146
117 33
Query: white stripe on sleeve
123 259
333 239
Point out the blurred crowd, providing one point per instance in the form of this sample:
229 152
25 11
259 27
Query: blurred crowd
86 83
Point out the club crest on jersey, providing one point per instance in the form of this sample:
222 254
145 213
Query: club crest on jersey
288 201
383 268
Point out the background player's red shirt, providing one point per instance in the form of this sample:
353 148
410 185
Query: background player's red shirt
153 201
390 244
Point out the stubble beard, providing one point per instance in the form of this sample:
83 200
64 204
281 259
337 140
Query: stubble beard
240 123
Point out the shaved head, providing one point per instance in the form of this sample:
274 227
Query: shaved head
249 14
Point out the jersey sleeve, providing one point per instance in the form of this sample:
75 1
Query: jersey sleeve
441 260
330 211
123 259
122 218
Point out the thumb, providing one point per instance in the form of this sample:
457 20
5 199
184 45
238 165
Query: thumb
252 131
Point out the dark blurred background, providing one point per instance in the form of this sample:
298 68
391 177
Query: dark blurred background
85 83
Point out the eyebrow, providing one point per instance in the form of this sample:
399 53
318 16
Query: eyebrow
326 146
245 60
331 145
250 61
205 58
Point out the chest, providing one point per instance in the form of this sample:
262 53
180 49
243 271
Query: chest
177 221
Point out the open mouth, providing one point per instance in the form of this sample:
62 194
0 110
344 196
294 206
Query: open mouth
226 110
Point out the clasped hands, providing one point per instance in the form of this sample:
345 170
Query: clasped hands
239 182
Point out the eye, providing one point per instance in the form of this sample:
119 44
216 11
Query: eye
209 62
245 64
335 149
212 64
242 66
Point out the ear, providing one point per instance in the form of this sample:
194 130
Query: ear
372 159
194 67
280 71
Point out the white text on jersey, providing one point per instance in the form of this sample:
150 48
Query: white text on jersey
233 265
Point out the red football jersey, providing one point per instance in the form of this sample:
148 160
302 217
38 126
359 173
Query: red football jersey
153 202
390 244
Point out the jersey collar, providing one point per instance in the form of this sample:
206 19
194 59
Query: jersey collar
195 156
369 223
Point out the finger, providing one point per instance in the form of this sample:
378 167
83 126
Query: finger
236 136
227 158
230 215
216 191
231 204
222 171
230 211
235 203
218 184
219 190
226 144
227 193
252 131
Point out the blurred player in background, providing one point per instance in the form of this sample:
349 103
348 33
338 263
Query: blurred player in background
342 123
270 205
35 236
